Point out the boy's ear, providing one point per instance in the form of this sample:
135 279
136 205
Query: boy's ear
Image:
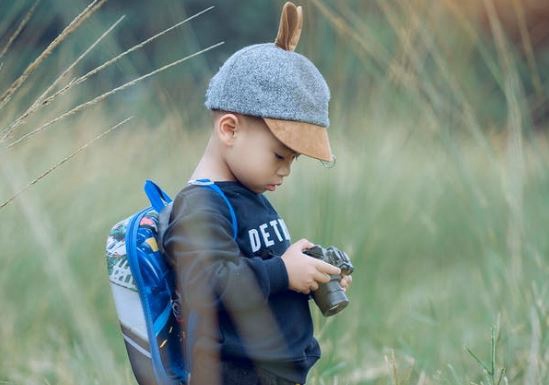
227 128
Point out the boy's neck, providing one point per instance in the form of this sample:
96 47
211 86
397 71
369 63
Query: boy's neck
212 166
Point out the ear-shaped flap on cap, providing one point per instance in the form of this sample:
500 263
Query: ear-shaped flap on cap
289 30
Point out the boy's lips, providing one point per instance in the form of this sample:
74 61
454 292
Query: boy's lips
272 187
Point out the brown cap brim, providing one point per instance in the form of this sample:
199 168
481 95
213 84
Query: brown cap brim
303 138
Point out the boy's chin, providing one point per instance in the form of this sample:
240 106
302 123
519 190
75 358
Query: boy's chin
254 188
260 188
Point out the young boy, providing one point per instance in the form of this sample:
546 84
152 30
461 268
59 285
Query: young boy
245 288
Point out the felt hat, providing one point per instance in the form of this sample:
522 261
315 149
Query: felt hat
273 82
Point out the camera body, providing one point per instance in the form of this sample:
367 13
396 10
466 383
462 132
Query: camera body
330 297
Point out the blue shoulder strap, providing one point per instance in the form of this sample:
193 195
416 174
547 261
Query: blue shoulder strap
158 198
211 185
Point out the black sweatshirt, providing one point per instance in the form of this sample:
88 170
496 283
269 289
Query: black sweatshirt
242 281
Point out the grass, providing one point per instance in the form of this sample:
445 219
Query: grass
433 270
444 215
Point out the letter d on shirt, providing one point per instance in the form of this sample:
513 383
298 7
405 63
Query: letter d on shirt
254 240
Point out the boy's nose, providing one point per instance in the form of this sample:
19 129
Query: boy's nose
284 170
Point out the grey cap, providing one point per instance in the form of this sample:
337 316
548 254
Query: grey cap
280 86
267 81
273 82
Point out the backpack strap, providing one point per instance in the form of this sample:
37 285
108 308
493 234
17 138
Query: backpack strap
158 198
212 186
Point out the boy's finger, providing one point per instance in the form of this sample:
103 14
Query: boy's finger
346 279
327 268
345 282
321 277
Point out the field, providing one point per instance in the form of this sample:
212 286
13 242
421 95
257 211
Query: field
439 195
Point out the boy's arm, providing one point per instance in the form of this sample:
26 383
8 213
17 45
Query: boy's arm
209 264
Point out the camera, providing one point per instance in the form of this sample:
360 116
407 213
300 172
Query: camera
330 297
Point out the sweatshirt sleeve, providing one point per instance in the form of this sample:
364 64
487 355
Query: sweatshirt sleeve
209 265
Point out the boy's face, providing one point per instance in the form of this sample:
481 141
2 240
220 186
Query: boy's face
257 158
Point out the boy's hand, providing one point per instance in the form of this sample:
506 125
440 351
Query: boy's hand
345 282
305 272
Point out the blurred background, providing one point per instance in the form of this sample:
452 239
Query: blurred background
439 120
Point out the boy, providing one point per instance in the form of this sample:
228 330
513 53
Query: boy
245 289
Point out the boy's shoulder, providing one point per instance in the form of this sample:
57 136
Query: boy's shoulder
195 197
228 198
212 192
216 190
209 200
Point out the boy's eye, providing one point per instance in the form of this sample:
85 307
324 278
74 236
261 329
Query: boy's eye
278 156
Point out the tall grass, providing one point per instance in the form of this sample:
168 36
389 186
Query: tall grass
442 206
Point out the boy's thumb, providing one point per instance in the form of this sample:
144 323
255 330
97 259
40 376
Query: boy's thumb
304 244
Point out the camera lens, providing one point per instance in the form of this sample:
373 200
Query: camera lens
330 298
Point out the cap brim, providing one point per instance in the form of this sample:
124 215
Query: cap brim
303 138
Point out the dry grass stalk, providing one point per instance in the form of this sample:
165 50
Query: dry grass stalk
528 49
470 29
135 47
451 81
422 378
43 100
362 31
425 91
18 30
514 94
374 51
64 160
73 25
532 376
392 366
110 93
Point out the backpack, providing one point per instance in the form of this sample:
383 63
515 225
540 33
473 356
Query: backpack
143 289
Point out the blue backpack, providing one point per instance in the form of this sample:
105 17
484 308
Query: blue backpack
143 288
